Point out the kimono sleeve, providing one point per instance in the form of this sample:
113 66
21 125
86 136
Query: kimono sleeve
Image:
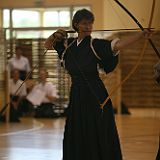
108 60
60 48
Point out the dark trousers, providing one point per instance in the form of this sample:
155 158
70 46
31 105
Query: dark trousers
45 110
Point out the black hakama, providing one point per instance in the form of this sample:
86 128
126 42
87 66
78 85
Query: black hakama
90 133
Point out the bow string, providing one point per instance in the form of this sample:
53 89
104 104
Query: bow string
142 51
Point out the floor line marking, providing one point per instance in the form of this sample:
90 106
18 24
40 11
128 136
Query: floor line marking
40 125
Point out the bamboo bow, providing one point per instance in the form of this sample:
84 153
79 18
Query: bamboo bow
141 54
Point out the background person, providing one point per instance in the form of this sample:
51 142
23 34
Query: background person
16 106
43 95
20 63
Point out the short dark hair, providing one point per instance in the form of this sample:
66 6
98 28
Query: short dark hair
19 48
80 15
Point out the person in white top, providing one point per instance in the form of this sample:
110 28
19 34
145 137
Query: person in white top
17 93
43 95
15 83
19 62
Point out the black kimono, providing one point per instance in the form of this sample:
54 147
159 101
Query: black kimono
90 132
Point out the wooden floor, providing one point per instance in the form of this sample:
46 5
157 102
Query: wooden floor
41 139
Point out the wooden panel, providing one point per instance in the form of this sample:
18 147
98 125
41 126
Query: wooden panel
2 69
141 90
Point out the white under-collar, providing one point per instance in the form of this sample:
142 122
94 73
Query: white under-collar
78 42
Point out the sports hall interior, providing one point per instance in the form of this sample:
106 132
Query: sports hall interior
132 86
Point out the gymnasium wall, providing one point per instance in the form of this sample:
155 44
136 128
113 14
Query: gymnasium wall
108 14
115 17
140 90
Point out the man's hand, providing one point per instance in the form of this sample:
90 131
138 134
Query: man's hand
59 35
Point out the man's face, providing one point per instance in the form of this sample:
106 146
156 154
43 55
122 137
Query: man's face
15 75
85 27
43 75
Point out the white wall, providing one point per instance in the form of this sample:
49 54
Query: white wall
107 13
115 17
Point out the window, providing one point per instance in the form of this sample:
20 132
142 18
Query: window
26 18
6 18
38 17
57 18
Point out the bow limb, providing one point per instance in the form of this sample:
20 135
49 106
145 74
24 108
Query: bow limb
138 61
138 23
